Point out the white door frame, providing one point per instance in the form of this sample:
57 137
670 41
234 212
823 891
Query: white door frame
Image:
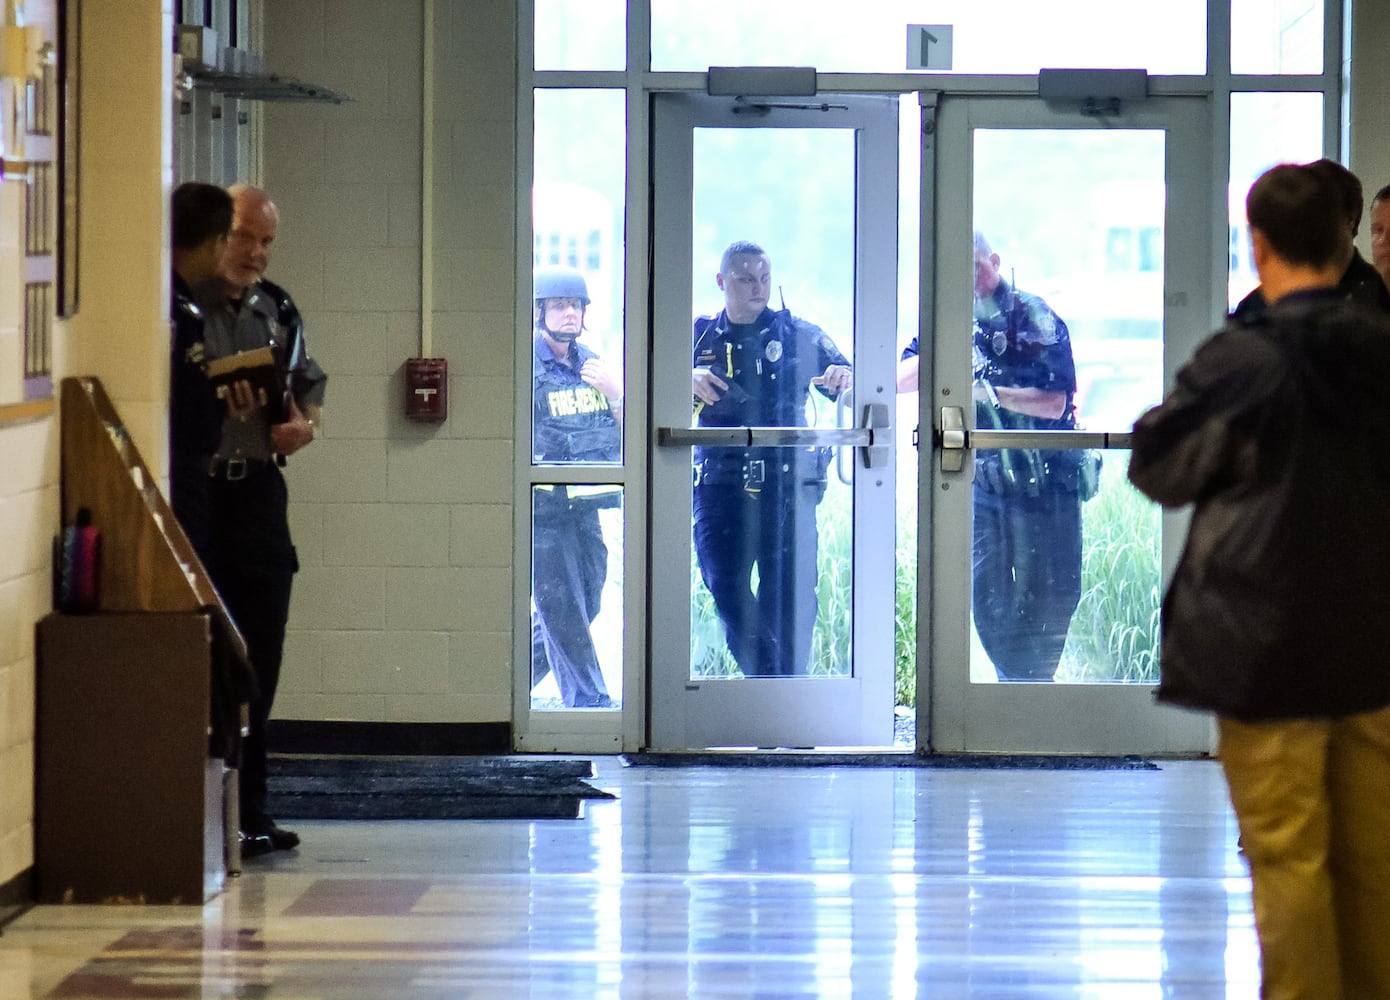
956 714
766 712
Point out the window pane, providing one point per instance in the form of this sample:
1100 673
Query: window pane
1006 36
1266 128
1276 36
772 573
577 218
1065 571
576 596
581 34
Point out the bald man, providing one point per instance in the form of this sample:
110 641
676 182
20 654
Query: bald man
250 556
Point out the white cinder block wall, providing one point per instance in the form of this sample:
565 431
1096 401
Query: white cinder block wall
402 608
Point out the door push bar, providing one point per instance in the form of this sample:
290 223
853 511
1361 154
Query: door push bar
871 437
955 439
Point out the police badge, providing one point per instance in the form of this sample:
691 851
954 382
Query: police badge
773 350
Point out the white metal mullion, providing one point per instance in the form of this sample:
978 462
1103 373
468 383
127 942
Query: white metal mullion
521 453
637 346
1219 70
1336 67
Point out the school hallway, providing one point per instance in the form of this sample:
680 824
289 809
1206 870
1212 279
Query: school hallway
775 882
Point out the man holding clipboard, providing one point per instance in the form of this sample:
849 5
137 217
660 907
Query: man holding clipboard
254 356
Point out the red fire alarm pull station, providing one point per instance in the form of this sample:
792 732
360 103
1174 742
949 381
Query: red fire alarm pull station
427 389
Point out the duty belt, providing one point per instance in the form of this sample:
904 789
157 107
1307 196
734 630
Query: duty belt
591 495
751 475
235 469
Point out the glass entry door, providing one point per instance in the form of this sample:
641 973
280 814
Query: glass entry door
774 315
1072 277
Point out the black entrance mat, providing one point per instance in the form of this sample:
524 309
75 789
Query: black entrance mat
959 761
344 787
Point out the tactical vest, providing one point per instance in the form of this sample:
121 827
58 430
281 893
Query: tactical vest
572 421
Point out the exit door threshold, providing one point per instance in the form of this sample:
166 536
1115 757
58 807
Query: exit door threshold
885 758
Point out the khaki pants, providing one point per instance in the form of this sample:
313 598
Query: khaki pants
1313 800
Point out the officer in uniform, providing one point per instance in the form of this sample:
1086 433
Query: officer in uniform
756 507
246 544
201 217
577 417
1027 502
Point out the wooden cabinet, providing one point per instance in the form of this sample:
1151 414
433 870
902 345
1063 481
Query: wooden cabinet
129 804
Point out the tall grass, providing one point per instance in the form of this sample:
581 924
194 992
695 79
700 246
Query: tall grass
1114 634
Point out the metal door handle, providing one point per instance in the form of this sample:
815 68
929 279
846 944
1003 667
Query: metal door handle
763 437
844 470
955 439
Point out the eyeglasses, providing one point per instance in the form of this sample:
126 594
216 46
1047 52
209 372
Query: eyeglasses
564 304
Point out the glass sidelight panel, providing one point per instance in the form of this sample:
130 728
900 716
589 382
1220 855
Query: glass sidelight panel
577 212
576 596
1067 335
1277 36
1266 128
580 34
774 271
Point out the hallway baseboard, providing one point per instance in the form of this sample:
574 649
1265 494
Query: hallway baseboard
973 761
425 739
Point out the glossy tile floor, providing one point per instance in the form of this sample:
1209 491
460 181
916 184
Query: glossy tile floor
705 882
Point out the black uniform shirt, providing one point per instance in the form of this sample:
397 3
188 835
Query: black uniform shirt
265 317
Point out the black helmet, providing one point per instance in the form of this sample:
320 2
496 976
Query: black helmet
560 283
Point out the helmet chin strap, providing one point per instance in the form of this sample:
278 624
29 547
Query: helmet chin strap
563 338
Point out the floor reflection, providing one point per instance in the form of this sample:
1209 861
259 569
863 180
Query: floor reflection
767 882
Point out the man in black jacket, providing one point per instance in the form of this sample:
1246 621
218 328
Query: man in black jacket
1278 614
1357 279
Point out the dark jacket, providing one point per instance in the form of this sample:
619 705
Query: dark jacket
1276 431
195 418
1361 282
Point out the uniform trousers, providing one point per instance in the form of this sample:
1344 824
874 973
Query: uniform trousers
252 563
569 566
769 628
1310 797
1026 578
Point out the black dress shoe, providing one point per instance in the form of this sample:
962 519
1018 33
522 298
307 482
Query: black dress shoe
282 840
255 845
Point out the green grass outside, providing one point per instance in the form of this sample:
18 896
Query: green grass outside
1114 633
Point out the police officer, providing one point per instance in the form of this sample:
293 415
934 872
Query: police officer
247 548
1026 502
577 417
201 217
756 507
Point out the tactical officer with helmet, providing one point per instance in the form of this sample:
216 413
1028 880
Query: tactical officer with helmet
1026 501
756 507
577 418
